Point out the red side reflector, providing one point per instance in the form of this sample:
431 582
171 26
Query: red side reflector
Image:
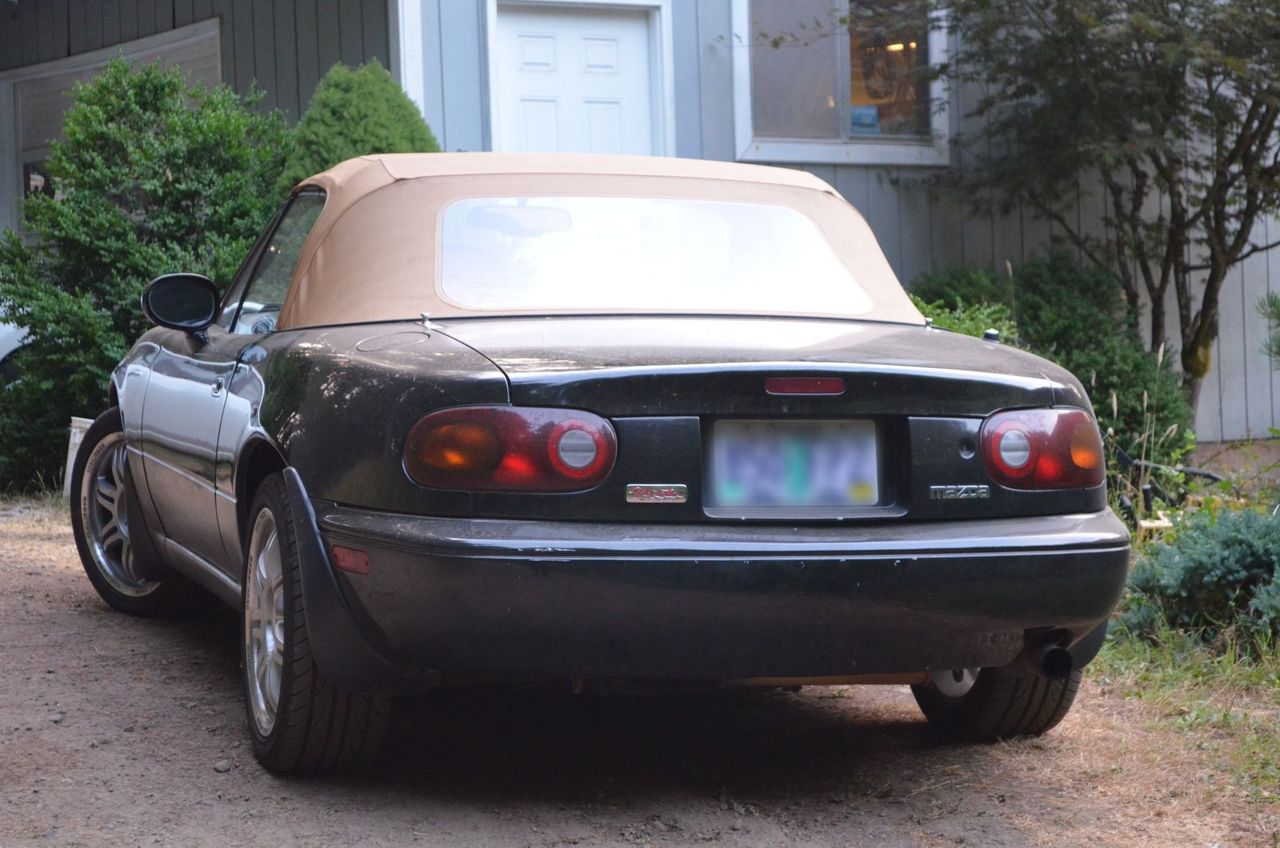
804 385
350 559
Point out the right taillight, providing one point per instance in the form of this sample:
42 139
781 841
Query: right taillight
1043 449
510 448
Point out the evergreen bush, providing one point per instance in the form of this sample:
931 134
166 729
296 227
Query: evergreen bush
354 113
1219 577
971 319
963 285
153 176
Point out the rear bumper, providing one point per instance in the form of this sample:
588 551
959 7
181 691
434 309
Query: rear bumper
646 602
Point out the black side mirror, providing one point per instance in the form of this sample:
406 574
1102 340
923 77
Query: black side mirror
187 302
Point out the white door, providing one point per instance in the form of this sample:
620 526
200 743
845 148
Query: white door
573 79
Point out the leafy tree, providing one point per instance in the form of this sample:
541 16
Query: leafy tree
153 176
1173 106
354 113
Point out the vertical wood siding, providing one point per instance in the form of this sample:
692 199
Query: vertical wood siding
282 46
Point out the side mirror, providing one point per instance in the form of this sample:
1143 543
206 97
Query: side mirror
187 302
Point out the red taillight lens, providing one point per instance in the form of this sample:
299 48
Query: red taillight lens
1043 449
510 448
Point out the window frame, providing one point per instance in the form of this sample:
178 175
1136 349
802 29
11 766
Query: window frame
934 151
239 288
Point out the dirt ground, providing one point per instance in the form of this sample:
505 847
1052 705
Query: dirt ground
117 731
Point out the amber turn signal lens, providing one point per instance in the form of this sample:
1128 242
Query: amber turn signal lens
460 447
1085 449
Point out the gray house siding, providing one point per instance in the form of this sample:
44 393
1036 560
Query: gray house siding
285 46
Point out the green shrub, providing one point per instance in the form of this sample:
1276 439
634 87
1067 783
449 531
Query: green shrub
153 176
1220 576
971 319
354 113
963 285
1064 307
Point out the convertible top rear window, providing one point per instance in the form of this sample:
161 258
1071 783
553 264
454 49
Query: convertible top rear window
640 253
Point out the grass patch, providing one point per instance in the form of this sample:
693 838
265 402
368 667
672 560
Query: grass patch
46 500
1225 699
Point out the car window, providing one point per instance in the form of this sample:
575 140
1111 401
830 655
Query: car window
270 279
671 254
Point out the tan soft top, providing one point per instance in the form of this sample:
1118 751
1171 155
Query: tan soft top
373 252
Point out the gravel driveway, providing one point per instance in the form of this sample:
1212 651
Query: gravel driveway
122 731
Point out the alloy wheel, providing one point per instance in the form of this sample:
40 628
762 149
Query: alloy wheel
103 499
264 622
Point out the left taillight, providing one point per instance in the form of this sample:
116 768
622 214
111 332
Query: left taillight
510 449
1043 449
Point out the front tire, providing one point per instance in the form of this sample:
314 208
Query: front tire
983 705
299 722
113 542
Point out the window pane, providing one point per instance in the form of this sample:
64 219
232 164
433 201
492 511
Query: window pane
888 92
271 277
795 62
641 254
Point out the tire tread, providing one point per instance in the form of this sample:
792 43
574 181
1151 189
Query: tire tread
1004 703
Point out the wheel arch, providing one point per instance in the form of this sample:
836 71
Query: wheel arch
258 460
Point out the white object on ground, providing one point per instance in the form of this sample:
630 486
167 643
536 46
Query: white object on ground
78 427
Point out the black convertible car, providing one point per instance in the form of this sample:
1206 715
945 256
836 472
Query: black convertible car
615 421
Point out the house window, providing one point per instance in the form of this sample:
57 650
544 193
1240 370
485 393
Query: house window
837 81
888 83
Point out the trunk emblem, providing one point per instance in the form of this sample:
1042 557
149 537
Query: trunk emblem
959 493
648 493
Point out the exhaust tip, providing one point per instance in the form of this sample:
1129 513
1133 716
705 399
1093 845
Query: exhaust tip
1056 662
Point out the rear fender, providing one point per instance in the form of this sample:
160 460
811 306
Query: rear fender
338 648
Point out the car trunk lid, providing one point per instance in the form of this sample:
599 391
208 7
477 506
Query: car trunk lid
719 366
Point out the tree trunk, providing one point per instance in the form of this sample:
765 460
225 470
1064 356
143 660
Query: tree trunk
1192 386
1197 358
1157 322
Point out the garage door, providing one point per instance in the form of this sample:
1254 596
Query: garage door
573 79
42 93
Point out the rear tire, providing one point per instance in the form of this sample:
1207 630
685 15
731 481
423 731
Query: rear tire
114 543
1000 703
300 723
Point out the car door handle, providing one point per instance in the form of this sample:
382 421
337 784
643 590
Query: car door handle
218 385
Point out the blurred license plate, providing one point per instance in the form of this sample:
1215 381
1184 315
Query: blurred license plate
794 463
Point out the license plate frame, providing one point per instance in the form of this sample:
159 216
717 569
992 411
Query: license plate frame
748 459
